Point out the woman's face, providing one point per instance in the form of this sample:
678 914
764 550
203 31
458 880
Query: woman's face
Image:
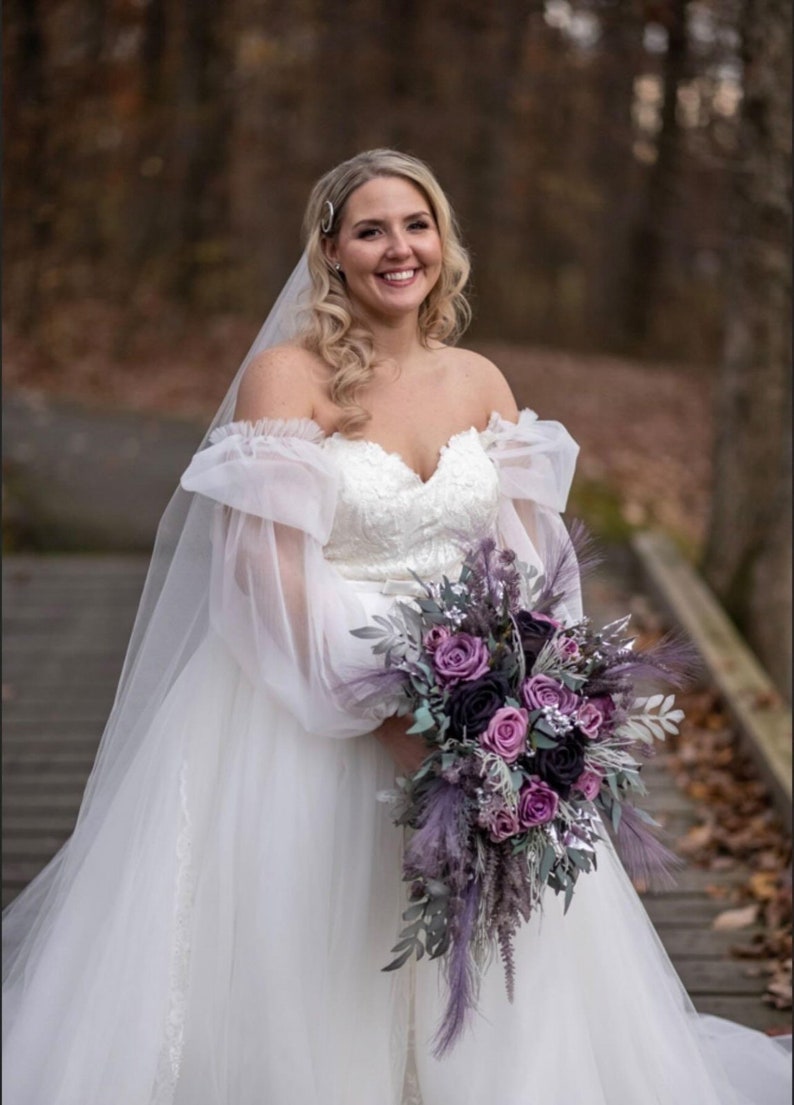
388 248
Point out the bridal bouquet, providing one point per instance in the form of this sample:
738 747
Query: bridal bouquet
535 738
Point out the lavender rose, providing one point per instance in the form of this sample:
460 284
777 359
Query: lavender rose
589 783
435 636
506 733
460 658
472 705
542 690
537 803
503 825
561 765
590 718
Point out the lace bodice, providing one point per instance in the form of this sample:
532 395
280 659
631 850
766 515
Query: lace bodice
389 522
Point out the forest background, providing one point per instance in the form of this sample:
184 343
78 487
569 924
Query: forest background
621 171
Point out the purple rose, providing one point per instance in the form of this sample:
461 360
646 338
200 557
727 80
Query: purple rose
561 765
542 690
537 803
435 636
589 783
472 705
506 733
590 717
502 825
460 658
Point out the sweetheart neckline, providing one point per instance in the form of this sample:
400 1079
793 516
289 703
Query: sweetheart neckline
396 455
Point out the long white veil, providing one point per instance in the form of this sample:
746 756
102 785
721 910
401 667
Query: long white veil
172 619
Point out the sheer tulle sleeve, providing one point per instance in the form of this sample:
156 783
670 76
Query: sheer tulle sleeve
282 609
535 460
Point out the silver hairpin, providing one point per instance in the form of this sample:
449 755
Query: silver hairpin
328 218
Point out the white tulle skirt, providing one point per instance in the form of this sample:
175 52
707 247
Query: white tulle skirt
222 944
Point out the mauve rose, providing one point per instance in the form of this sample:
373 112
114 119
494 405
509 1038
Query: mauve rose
567 647
537 803
589 783
506 733
605 704
503 825
542 690
472 705
590 717
460 658
435 635
562 765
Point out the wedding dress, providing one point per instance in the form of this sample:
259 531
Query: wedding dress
221 939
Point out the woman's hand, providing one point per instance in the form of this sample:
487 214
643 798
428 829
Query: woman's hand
407 751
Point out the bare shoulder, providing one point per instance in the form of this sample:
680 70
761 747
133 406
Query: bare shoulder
280 382
484 377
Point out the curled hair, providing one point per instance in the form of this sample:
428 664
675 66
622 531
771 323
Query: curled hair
332 332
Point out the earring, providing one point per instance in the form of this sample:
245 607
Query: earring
338 267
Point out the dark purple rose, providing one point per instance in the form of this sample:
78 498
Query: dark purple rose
435 635
589 783
460 658
562 765
506 733
542 690
472 705
503 825
534 630
537 803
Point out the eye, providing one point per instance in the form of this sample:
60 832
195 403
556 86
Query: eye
419 224
367 232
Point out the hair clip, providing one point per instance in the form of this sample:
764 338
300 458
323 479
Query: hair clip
328 218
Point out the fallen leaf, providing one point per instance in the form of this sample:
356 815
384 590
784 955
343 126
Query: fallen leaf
731 919
763 885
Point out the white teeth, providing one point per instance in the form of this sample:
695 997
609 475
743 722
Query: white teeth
394 277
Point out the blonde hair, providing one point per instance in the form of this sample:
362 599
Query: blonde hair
331 330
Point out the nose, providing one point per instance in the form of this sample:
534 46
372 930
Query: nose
398 245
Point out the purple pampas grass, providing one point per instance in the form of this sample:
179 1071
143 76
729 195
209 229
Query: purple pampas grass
462 973
438 848
567 559
644 856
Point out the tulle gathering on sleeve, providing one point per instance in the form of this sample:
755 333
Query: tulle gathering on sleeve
535 460
280 606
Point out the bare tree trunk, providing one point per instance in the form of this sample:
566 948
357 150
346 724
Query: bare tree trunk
26 109
652 224
748 554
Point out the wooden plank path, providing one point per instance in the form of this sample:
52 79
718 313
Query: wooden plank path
66 622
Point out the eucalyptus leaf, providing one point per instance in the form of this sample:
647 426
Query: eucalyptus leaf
546 862
398 962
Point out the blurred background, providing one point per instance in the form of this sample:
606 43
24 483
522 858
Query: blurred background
620 170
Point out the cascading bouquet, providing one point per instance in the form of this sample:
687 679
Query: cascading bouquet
535 739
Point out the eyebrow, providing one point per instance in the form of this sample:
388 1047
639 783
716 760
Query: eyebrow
378 222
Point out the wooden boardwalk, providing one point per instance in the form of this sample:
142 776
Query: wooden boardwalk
66 621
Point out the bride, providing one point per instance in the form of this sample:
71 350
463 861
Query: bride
213 932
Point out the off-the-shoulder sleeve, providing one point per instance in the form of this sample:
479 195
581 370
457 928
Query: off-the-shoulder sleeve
282 609
535 460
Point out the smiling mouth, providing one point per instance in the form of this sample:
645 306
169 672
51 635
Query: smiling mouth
398 279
